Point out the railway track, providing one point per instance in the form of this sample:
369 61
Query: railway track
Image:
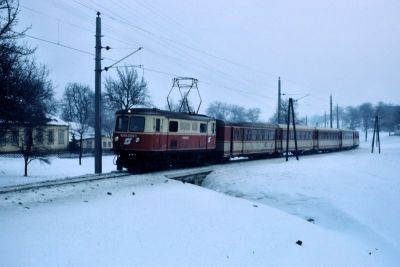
190 175
62 181
193 176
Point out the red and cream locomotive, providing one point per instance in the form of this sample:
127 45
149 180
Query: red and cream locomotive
151 138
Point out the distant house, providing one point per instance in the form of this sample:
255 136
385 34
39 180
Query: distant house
88 139
51 137
88 143
397 130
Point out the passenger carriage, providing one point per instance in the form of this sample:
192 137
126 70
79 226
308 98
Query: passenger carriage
347 137
305 139
329 139
161 137
245 139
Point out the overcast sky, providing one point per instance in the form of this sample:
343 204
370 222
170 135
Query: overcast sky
237 49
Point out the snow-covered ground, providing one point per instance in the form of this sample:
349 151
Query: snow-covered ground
352 200
12 169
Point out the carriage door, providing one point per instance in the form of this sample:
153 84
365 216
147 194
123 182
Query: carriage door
315 139
157 133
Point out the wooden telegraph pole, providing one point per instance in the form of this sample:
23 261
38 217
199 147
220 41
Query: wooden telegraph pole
331 111
279 100
337 116
291 114
376 131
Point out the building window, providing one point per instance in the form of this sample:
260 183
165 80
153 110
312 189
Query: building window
39 136
104 144
109 143
15 138
50 137
89 144
61 139
2 139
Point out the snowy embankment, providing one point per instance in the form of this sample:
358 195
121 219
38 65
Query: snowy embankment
351 198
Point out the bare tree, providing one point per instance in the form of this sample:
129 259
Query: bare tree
127 91
77 107
38 105
367 114
234 113
12 56
218 110
253 114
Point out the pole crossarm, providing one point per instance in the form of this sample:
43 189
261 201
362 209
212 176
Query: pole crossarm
118 61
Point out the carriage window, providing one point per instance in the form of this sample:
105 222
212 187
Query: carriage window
254 135
203 127
213 128
121 124
136 124
248 134
173 126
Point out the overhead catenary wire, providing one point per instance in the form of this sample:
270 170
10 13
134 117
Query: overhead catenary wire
172 45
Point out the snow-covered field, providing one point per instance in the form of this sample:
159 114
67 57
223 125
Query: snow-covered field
12 169
351 201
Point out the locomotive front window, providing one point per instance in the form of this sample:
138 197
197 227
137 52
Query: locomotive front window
121 124
136 124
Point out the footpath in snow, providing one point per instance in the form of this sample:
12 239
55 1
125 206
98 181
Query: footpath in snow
343 207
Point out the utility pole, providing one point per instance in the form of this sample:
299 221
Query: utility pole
337 116
325 119
331 111
291 113
376 130
97 132
279 100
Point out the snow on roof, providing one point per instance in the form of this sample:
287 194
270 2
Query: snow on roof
57 121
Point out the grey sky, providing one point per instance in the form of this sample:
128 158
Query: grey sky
237 49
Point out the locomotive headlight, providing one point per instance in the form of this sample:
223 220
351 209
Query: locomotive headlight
137 139
116 138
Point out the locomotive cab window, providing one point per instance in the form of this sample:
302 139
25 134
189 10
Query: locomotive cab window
203 127
121 124
158 125
136 124
173 126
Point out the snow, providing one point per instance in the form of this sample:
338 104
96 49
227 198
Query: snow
352 196
12 169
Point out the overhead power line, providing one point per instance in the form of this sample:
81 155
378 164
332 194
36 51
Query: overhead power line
56 43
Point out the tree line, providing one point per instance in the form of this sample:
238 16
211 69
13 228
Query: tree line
363 116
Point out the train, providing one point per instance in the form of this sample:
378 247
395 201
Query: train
150 138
